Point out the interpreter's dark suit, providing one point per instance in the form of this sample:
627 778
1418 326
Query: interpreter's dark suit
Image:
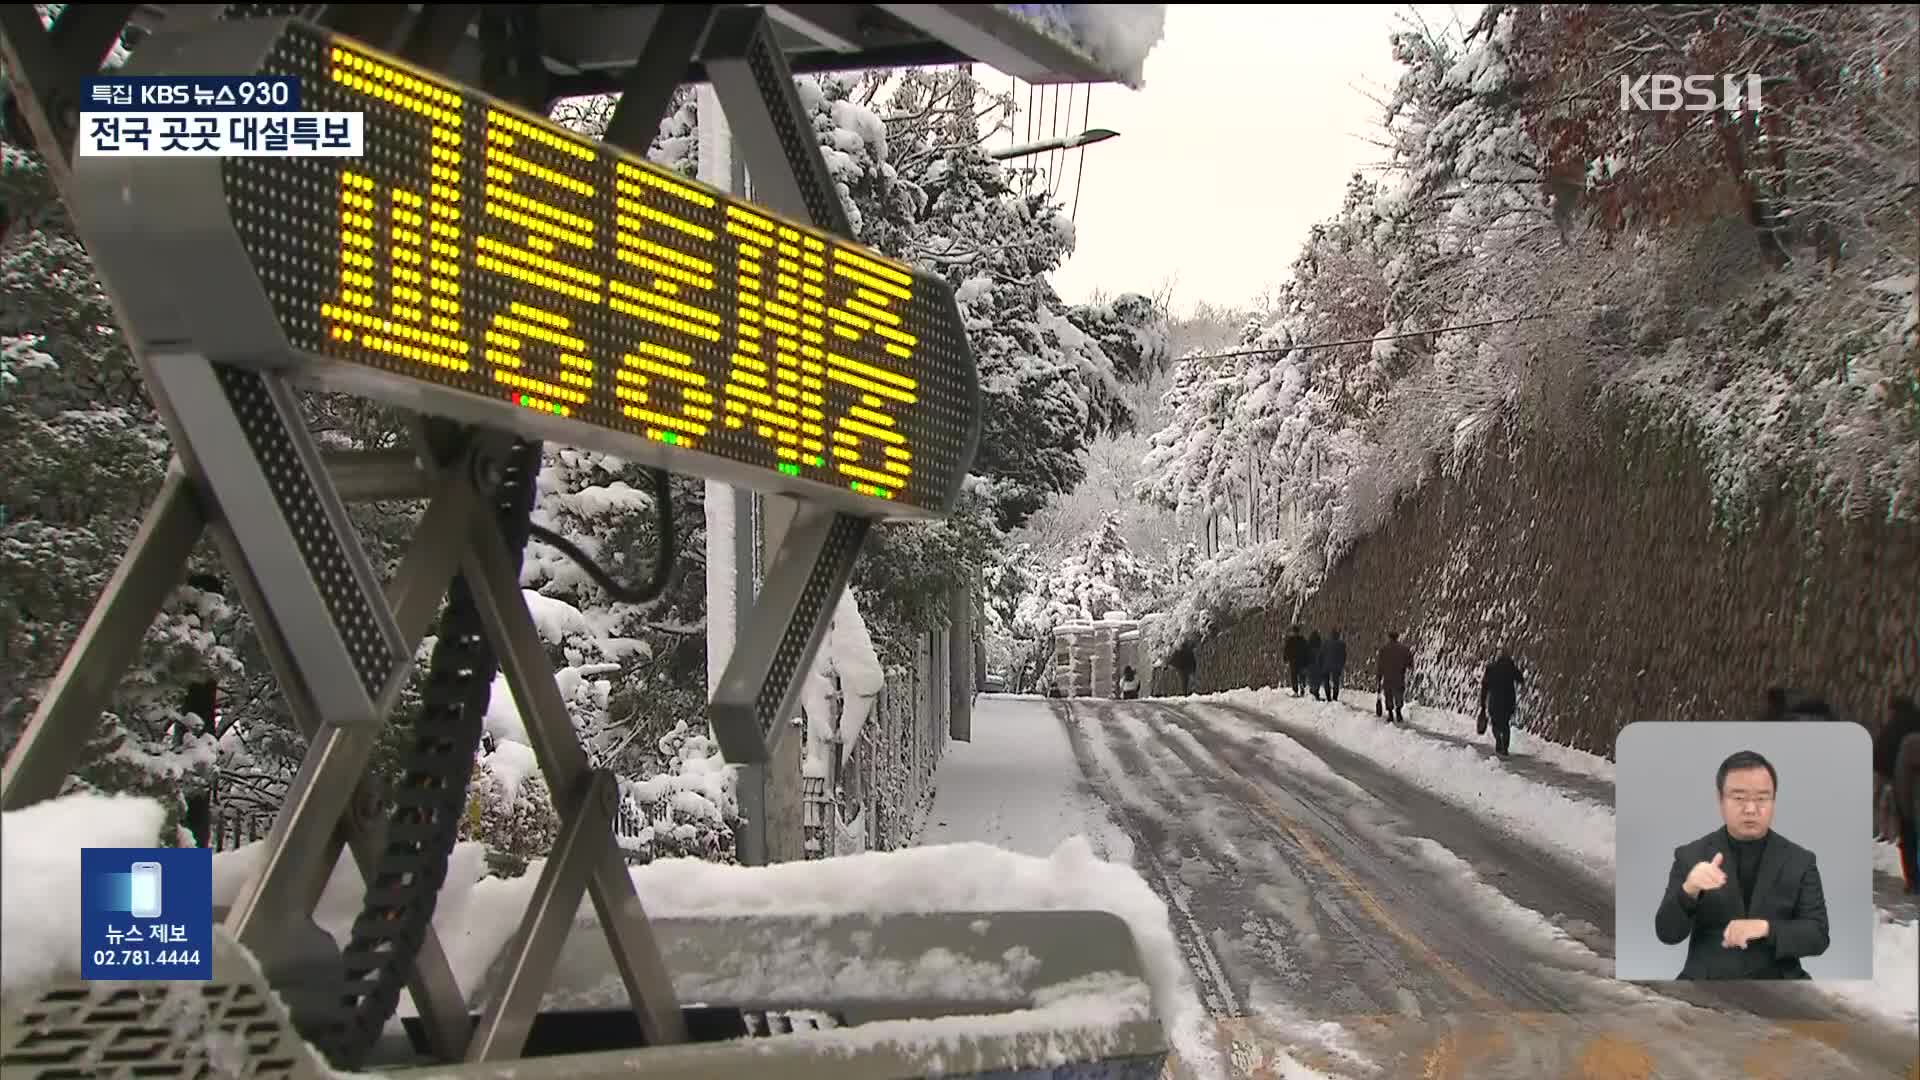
1786 893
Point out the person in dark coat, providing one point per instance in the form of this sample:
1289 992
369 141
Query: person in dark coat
1747 901
1312 663
1391 666
1896 767
1334 664
1293 653
1500 699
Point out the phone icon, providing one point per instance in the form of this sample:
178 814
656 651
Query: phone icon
144 894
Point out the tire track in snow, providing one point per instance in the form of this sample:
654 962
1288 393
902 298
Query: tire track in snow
1472 959
1796 1020
1144 819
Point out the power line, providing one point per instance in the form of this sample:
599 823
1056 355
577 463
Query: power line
1310 346
1057 165
1053 133
1080 170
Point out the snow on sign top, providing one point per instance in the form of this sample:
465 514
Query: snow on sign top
1116 37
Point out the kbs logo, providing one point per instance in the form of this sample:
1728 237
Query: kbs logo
164 95
1692 93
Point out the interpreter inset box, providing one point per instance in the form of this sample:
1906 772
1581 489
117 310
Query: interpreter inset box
1743 851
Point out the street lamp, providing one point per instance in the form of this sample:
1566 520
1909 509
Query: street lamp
1063 142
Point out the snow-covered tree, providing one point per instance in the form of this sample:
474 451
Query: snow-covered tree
1533 247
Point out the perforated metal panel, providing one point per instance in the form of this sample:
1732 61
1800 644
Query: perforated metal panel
299 502
228 1027
823 204
823 586
483 264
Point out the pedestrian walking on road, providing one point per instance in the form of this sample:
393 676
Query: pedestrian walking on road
1312 661
1896 765
1335 664
1293 652
1500 699
1391 666
1129 684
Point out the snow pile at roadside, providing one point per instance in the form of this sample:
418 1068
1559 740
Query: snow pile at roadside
1543 815
40 877
345 893
1894 990
1580 829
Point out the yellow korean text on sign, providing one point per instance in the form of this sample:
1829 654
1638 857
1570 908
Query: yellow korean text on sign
479 250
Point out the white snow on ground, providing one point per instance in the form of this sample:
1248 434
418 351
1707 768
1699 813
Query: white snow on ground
1528 923
1886 858
1544 815
40 877
341 900
1895 987
1581 829
1016 786
1445 721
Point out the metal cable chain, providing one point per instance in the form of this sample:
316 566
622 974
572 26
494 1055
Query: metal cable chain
429 800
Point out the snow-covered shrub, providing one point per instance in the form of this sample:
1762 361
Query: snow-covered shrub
687 809
509 808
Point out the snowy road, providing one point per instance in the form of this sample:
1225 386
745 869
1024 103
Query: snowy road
1341 919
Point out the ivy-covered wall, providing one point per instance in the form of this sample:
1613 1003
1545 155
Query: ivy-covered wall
1623 591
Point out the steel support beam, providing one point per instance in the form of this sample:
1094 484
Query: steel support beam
491 575
51 748
670 45
243 409
436 993
775 649
588 816
808 567
755 86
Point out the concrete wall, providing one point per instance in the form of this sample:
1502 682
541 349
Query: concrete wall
1602 563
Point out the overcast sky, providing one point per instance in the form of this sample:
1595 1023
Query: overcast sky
1250 123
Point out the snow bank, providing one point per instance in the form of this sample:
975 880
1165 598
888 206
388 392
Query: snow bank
40 877
1565 758
1894 990
953 877
858 665
340 901
1117 37
846 662
1545 816
1580 829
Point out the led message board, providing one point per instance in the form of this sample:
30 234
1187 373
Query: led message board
506 269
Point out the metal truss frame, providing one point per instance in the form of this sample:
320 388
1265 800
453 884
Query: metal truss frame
249 473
